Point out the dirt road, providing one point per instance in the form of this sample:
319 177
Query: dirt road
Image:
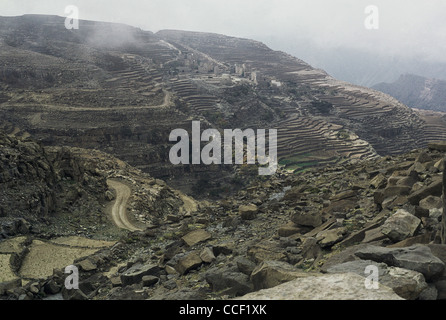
119 209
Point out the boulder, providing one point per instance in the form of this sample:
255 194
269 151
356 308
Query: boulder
207 255
87 265
245 265
196 236
438 146
379 181
228 281
328 238
433 189
423 157
307 219
431 202
418 258
189 262
148 281
135 273
343 286
266 250
9 285
310 248
400 225
269 274
248 212
289 229
408 284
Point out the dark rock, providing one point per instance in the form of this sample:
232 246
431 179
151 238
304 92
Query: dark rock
9 285
136 272
245 265
229 281
73 294
52 287
148 281
438 146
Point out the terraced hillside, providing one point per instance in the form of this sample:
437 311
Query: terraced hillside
123 90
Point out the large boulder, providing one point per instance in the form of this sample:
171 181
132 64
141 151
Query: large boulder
196 236
307 219
228 281
269 274
135 273
408 284
433 189
418 258
188 263
400 225
342 286
248 212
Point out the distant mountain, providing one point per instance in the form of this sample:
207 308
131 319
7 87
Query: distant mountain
417 92
358 66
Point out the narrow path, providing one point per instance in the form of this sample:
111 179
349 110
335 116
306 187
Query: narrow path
118 212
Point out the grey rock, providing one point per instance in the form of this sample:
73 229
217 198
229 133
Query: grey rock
408 284
430 293
400 225
345 286
207 255
418 258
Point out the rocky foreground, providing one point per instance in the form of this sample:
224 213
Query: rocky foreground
370 230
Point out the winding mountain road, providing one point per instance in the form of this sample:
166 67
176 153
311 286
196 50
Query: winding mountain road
119 209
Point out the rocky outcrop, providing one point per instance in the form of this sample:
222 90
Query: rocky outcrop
443 221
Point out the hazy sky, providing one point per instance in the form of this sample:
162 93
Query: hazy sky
406 27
